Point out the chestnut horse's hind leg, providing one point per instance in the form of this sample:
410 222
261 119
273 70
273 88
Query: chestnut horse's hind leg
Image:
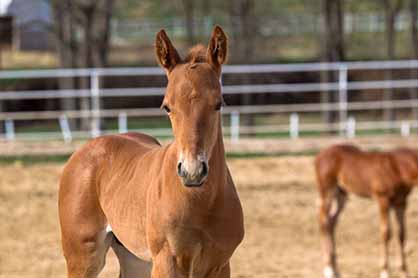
385 231
130 265
400 208
328 218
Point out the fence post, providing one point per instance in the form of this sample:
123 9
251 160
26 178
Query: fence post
9 127
405 129
65 128
351 127
342 96
95 103
123 122
294 125
234 126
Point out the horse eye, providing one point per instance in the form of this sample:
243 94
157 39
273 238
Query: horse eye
166 109
218 106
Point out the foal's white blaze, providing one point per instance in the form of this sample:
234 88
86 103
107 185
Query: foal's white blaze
329 272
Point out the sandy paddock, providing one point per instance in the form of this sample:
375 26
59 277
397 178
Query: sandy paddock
279 199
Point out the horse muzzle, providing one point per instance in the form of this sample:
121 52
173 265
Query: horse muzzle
193 173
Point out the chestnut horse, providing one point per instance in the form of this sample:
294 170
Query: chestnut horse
387 177
168 212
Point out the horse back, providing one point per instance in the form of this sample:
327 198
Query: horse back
360 172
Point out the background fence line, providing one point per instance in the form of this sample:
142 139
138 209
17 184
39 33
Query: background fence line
342 87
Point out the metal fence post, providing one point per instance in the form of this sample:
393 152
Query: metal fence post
95 103
342 96
9 127
294 125
234 126
351 127
65 128
123 122
405 129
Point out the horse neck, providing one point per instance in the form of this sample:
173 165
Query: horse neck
217 160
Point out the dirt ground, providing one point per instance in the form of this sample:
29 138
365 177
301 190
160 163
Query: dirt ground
279 200
244 145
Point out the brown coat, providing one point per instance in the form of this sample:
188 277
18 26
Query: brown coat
175 205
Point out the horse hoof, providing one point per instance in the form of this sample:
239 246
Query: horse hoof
329 272
384 274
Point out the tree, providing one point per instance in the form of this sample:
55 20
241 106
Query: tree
91 19
94 19
243 28
66 46
413 9
392 9
189 9
332 39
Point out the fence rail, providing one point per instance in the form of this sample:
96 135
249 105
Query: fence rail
343 88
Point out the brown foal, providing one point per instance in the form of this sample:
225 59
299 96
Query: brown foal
387 177
168 212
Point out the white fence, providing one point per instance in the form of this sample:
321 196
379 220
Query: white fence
346 125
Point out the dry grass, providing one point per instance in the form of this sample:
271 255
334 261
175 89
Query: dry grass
245 145
279 200
27 59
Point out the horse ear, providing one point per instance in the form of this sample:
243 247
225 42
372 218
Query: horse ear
217 49
167 55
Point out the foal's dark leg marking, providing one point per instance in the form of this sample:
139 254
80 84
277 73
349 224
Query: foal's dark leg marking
400 209
386 233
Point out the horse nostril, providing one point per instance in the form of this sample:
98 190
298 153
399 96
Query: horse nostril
179 170
204 169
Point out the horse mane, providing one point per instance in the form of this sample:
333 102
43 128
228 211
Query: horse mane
197 54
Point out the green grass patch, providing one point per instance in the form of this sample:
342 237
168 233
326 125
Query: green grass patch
36 159
33 159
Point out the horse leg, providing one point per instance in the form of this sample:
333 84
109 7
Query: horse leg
327 223
400 209
130 265
340 199
220 272
225 272
86 258
164 265
385 231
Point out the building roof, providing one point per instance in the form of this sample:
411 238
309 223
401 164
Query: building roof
25 11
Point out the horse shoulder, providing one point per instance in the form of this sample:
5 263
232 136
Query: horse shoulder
119 167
